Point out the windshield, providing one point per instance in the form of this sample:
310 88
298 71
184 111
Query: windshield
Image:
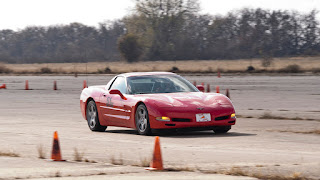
159 84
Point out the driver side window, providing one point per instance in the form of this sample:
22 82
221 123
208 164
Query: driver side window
119 84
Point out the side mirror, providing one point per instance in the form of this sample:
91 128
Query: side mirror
116 91
200 87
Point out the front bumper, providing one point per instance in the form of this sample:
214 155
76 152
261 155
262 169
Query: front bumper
190 117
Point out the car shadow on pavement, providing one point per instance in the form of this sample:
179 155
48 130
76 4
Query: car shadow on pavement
122 131
182 134
202 134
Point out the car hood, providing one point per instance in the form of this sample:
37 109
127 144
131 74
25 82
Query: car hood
192 99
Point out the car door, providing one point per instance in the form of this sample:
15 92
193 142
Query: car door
112 107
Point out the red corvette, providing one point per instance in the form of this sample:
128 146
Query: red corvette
155 100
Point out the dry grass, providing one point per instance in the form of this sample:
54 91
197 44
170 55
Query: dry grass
89 161
316 70
293 68
145 162
41 152
9 154
268 115
45 70
316 131
242 116
57 174
78 156
286 64
237 171
4 69
294 176
115 161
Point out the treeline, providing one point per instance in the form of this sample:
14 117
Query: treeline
69 43
169 30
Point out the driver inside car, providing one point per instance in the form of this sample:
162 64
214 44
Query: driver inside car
163 87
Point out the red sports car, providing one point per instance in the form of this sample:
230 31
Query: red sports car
155 100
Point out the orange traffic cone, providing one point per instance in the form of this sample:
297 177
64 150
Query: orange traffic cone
55 85
84 84
208 87
227 93
156 163
218 89
27 85
3 86
56 154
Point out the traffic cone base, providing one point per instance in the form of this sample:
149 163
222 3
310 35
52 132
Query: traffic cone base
84 84
156 163
56 154
217 89
153 169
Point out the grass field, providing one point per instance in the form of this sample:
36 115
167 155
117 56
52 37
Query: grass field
305 64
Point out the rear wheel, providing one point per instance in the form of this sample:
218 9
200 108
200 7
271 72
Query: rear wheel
92 117
222 129
142 120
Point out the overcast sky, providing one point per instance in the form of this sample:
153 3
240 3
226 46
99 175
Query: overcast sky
17 14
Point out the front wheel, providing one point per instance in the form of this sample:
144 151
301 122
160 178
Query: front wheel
221 129
142 120
92 117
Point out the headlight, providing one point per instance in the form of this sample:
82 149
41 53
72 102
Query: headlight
233 116
163 118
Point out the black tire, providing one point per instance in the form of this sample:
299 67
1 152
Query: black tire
93 118
142 120
221 129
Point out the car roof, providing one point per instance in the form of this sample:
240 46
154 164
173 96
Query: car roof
145 74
